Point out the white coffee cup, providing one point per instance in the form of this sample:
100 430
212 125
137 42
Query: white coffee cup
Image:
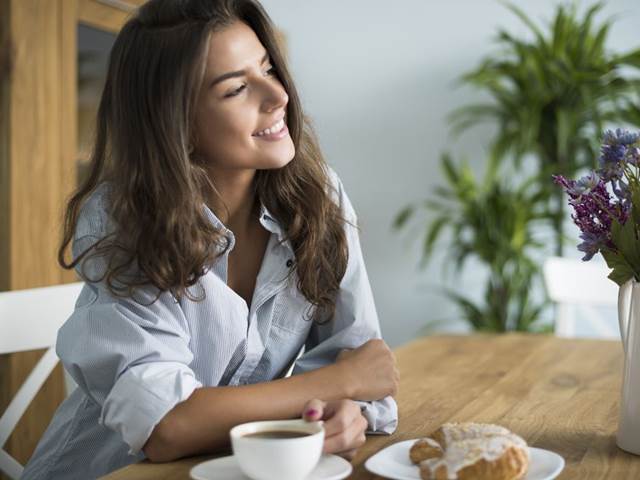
277 458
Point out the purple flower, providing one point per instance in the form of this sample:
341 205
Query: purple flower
577 188
587 183
621 190
591 244
611 162
603 197
570 186
594 210
620 137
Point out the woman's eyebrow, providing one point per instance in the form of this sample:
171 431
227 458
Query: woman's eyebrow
239 73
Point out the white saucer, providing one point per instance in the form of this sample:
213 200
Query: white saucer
393 462
330 467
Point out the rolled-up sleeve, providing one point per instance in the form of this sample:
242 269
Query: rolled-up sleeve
355 322
129 355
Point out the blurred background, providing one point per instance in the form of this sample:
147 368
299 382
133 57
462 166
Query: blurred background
444 120
380 81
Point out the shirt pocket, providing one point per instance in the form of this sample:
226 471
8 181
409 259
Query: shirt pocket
292 312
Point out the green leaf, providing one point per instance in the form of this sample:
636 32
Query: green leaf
559 31
471 115
402 217
620 276
632 59
471 313
597 48
433 232
621 271
635 206
624 238
585 29
532 26
565 133
450 172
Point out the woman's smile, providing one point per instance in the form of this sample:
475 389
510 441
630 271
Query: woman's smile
276 132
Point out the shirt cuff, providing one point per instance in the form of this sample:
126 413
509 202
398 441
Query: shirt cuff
382 416
142 396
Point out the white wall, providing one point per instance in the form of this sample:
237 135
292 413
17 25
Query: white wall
378 79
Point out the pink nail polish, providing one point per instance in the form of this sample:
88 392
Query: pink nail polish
311 412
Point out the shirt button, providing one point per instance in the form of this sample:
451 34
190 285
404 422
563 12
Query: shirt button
289 263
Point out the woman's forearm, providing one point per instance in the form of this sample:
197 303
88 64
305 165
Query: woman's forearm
202 422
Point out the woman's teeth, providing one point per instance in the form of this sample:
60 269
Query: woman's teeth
273 129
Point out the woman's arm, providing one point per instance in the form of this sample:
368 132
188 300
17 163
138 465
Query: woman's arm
355 324
202 422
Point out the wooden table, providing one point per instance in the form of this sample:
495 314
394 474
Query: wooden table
558 394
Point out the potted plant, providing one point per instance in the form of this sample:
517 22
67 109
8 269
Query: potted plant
492 222
551 96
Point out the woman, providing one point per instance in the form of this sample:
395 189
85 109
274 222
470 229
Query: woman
214 243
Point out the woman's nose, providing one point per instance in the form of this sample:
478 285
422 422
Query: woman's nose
275 97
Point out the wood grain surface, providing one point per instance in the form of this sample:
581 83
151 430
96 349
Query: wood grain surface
107 16
33 158
559 394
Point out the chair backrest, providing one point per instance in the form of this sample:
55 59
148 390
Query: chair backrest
582 289
29 320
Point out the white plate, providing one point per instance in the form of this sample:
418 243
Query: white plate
330 467
393 462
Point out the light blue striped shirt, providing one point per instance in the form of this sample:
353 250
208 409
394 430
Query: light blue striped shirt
135 360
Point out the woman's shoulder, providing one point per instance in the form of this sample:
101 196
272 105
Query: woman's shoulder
94 219
339 195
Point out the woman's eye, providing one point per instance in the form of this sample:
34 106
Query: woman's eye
270 72
236 91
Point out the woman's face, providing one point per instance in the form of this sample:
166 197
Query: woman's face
241 97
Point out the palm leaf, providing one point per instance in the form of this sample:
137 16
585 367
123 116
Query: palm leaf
403 216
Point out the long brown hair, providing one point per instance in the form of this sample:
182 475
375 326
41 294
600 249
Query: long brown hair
144 128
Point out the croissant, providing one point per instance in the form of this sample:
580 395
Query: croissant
471 451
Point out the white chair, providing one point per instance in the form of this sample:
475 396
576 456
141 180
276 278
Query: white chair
585 297
29 320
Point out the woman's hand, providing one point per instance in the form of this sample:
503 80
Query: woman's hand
344 425
370 370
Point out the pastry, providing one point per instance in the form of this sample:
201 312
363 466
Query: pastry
425 448
466 451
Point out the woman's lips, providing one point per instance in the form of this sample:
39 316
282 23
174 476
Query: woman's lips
273 137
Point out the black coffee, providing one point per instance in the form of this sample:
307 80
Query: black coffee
278 434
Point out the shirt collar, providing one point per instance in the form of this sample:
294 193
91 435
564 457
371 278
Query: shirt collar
270 222
267 220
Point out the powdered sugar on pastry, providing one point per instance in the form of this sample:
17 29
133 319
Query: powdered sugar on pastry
429 441
468 451
462 453
454 432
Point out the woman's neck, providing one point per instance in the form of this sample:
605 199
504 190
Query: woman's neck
236 206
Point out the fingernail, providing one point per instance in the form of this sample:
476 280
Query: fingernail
311 412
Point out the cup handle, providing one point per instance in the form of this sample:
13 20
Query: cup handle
624 306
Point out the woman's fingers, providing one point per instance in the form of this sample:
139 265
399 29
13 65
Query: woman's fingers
348 455
349 438
313 410
344 425
339 416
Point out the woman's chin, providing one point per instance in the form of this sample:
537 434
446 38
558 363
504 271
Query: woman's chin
278 161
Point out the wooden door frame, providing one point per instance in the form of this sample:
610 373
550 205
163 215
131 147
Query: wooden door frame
38 153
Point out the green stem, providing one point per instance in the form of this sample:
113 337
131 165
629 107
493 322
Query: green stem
557 221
